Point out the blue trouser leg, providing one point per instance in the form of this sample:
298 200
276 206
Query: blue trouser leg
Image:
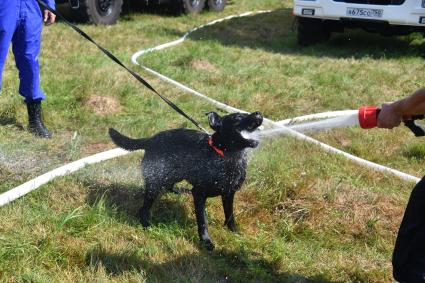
26 48
8 19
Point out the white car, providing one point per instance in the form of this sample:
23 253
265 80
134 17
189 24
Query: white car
317 19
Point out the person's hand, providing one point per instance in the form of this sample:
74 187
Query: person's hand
49 18
389 117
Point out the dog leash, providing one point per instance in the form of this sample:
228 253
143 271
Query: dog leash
116 60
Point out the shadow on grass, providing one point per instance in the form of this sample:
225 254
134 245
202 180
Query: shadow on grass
128 200
217 266
274 32
5 121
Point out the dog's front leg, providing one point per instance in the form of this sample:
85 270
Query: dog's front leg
229 221
201 220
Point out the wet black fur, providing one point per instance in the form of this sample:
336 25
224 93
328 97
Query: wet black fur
182 154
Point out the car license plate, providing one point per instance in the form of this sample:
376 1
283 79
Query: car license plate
364 13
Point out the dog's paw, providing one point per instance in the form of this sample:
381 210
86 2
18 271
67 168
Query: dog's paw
145 223
232 227
207 244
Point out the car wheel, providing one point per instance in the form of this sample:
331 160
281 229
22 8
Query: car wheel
216 5
103 12
193 6
311 31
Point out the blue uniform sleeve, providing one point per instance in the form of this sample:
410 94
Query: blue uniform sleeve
50 3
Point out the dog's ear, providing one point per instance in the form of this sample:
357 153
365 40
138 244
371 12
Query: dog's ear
214 120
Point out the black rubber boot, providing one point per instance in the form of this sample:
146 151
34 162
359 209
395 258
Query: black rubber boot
35 121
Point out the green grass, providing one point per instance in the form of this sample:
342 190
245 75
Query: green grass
304 215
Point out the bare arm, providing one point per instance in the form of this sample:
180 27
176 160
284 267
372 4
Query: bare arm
392 113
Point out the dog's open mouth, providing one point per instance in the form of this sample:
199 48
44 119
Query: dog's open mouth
251 123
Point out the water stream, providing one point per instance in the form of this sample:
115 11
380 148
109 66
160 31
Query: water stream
314 126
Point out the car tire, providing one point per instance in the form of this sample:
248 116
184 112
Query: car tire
216 5
311 31
192 6
100 12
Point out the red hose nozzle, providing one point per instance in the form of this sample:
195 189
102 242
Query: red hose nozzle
368 117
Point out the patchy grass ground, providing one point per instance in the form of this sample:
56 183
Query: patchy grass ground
304 215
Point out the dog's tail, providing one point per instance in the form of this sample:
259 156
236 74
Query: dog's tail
126 142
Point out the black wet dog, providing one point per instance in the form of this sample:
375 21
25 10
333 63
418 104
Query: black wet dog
214 165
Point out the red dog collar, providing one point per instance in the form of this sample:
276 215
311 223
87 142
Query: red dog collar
216 149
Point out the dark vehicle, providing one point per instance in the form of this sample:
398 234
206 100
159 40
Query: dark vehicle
107 12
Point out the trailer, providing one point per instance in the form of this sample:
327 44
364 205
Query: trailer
107 12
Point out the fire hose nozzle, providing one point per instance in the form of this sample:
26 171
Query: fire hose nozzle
368 117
